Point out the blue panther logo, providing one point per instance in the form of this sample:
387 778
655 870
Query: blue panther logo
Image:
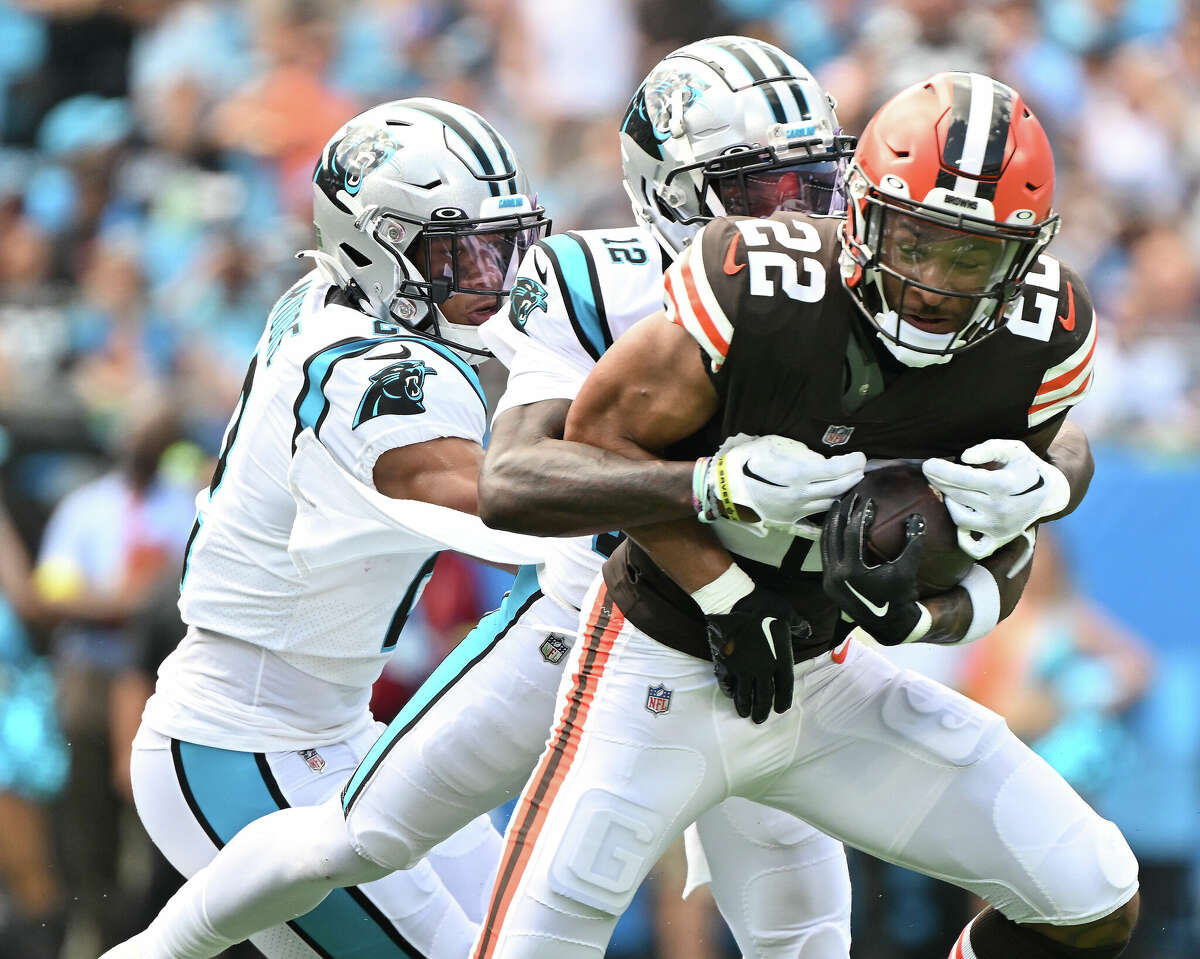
527 295
648 120
348 160
399 388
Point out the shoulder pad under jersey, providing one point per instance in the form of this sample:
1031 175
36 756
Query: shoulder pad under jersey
575 291
1054 322
741 270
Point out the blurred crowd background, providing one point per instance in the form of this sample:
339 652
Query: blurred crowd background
155 161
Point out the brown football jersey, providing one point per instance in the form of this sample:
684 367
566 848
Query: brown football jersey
790 353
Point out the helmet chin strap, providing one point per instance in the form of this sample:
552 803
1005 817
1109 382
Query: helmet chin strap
898 332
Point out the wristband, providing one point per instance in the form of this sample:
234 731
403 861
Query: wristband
728 507
706 511
921 630
722 594
985 602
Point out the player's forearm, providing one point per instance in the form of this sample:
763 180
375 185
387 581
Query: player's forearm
685 550
557 488
953 612
1072 454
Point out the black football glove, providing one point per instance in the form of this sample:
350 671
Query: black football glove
882 599
752 652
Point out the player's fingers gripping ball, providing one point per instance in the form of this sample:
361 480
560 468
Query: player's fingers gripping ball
999 490
879 595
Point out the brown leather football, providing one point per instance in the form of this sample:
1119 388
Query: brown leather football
899 490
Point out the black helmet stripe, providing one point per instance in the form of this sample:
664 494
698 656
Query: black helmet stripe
980 117
757 76
789 80
474 145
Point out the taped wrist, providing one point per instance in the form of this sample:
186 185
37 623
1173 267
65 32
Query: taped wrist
722 594
985 602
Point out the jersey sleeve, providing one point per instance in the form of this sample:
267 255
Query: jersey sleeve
1071 347
704 288
558 314
398 392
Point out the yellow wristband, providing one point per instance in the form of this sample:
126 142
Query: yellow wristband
727 504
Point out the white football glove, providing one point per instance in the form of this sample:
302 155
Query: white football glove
781 479
993 507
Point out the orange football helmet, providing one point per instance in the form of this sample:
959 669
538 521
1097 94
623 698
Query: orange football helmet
948 207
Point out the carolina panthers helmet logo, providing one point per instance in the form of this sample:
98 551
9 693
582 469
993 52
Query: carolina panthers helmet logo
399 389
648 119
348 159
527 295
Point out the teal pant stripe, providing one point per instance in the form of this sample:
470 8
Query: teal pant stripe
227 791
466 654
577 281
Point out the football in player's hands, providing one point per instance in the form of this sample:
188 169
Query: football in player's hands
899 491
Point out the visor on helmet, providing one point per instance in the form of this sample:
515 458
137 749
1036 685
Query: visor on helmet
800 188
945 273
801 176
479 256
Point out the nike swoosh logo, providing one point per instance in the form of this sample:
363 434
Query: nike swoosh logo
733 268
839 654
404 354
766 628
746 471
1041 481
877 610
1068 321
541 271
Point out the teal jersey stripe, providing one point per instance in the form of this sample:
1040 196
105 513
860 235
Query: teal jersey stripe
578 280
312 405
228 790
473 647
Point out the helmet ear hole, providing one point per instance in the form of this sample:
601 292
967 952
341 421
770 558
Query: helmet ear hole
358 258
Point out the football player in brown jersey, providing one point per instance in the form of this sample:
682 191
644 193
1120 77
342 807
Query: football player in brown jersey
928 324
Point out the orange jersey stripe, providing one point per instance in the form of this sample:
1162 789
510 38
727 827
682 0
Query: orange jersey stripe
1061 399
710 329
1064 378
542 788
675 317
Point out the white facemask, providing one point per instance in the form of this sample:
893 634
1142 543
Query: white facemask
909 334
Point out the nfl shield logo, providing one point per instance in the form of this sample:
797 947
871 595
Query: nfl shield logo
313 758
658 699
837 435
554 648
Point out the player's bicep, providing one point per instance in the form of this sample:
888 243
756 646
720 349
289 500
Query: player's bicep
648 391
399 393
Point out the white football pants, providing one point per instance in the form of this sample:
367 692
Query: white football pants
884 759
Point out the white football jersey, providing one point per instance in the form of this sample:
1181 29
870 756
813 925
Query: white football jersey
364 386
574 294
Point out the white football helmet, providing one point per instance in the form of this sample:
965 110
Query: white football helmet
422 180
729 125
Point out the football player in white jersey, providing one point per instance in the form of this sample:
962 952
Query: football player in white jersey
469 738
422 213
